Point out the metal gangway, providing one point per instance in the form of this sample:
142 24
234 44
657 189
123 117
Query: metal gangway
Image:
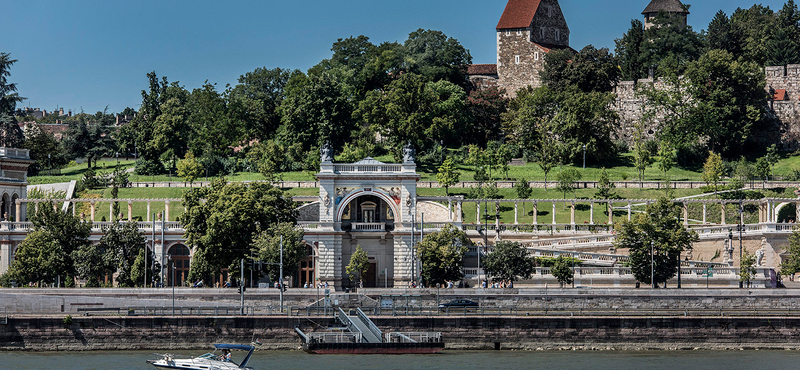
361 324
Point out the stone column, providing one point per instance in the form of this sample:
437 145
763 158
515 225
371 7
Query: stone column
130 211
166 211
704 213
554 212
71 203
722 205
685 214
91 212
797 212
17 210
629 211
111 211
450 209
572 213
515 212
148 211
459 211
535 213
610 213
591 213
478 213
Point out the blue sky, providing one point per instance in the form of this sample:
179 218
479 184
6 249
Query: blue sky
92 54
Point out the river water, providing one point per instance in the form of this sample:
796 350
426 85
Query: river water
447 360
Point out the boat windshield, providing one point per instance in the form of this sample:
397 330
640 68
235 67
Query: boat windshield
209 356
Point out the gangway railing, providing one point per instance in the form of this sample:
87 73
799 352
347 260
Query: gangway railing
370 325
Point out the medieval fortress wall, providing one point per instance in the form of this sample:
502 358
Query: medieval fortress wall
783 82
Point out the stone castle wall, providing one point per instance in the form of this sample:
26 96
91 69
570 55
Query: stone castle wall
631 107
518 60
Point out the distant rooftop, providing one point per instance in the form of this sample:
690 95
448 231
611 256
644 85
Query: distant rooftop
669 6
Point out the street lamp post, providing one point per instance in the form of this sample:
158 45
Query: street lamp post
653 264
740 226
117 155
584 156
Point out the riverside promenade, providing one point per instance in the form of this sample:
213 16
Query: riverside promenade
584 319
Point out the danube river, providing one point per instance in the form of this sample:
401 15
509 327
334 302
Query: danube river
455 360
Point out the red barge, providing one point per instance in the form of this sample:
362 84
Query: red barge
359 335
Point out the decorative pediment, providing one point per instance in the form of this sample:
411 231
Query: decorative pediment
369 160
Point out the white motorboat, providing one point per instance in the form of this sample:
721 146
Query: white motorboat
220 359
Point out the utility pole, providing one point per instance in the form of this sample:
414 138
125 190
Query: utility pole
584 156
280 278
241 286
413 255
653 264
421 237
741 227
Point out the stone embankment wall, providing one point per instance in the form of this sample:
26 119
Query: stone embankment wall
474 332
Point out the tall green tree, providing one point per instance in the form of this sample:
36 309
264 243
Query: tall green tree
747 269
509 261
589 70
713 170
232 215
563 271
436 57
784 46
567 180
791 265
605 188
441 255
629 53
212 116
189 169
447 175
39 258
8 91
87 139
43 148
358 265
722 35
260 93
659 230
123 243
267 248
486 108
755 26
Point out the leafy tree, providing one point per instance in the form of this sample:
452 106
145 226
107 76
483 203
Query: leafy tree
267 249
589 70
137 136
667 158
260 92
658 229
214 121
359 263
412 109
712 169
8 91
754 27
39 258
605 188
486 107
122 242
448 175
436 57
762 168
54 237
747 269
670 45
509 261
84 139
146 267
629 52
563 271
316 108
743 170
772 157
269 158
641 155
791 265
189 169
224 226
441 255
172 131
93 262
567 118
567 179
43 148
11 135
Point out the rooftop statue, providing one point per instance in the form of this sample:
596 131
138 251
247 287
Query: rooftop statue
326 152
409 154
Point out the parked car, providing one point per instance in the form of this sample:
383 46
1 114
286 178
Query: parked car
458 303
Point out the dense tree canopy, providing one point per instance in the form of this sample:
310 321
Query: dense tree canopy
441 255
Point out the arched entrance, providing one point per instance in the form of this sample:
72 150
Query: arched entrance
367 213
180 255
306 271
13 208
4 213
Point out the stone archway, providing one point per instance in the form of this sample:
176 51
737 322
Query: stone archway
396 216
181 257
367 212
12 214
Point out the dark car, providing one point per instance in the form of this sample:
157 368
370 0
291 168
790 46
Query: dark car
458 303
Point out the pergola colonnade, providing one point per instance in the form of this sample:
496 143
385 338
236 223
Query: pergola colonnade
21 204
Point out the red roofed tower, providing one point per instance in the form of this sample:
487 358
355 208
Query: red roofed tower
528 29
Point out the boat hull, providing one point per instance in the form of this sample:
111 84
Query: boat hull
373 348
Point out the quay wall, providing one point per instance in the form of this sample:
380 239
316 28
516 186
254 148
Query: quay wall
474 332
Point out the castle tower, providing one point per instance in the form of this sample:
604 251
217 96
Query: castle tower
527 30
673 8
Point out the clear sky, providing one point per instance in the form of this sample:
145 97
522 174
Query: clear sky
89 54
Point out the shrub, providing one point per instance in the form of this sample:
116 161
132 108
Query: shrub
147 167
